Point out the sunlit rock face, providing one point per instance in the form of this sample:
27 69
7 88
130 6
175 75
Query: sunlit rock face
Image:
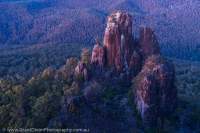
155 92
148 42
118 41
98 55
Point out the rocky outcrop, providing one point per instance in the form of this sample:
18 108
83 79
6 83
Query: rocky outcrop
81 72
135 63
85 56
148 42
122 58
98 55
155 92
118 41
48 73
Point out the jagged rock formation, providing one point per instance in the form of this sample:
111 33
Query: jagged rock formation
118 40
135 63
148 42
98 55
81 72
155 92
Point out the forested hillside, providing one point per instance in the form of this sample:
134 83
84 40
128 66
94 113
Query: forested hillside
21 62
80 64
64 21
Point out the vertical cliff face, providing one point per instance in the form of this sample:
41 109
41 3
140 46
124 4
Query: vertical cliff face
146 99
155 92
118 40
148 42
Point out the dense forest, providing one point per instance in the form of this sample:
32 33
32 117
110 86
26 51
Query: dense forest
35 98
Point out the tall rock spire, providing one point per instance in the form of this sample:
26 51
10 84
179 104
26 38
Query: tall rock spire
118 40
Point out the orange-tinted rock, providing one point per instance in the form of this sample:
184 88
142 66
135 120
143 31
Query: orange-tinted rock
98 55
118 40
148 42
155 92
